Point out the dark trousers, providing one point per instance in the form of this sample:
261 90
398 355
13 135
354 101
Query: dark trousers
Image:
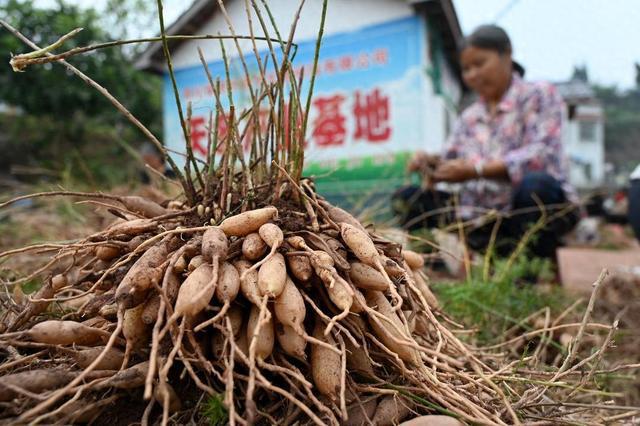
634 206
417 209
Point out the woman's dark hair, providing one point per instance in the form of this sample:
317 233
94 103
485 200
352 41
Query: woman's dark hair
491 37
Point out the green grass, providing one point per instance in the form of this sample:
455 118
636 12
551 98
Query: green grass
214 411
492 306
32 286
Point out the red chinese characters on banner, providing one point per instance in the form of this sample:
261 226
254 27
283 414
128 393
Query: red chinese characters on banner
297 125
381 56
199 127
198 136
329 126
248 129
346 63
371 114
371 117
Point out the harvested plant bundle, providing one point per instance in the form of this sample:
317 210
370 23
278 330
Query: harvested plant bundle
252 287
290 321
303 332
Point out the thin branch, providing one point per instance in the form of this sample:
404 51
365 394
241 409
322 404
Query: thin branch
39 57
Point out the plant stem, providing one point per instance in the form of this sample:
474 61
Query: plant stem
316 56
20 62
36 57
191 193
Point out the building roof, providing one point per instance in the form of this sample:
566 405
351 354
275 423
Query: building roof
576 90
189 22
441 14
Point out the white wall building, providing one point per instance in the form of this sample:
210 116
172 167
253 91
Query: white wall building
583 134
388 81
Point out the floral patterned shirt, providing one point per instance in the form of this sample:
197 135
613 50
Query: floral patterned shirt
525 133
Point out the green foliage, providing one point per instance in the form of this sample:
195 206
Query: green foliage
31 286
493 306
50 88
62 122
130 19
214 411
90 152
622 126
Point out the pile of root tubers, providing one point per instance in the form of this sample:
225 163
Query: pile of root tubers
248 288
290 313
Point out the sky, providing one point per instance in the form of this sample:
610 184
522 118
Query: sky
549 37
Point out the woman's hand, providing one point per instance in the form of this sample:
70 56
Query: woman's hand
422 162
457 170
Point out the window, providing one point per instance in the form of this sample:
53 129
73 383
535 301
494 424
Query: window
588 131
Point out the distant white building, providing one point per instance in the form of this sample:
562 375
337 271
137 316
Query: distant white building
583 133
388 82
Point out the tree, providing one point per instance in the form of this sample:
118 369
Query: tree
50 88
622 126
71 109
580 73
